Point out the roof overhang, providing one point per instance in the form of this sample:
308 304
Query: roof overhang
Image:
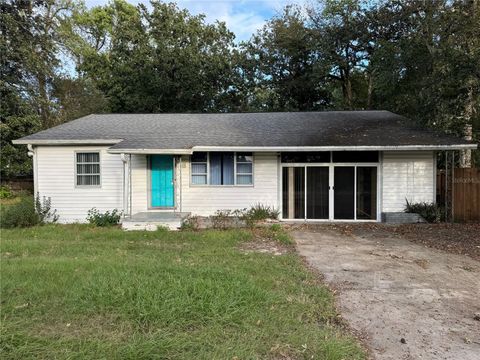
151 151
66 142
119 150
294 148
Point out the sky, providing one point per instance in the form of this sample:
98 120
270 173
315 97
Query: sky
243 17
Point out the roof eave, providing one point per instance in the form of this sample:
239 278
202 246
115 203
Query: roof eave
24 141
294 148
337 148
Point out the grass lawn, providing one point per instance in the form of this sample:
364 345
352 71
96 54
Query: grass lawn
78 292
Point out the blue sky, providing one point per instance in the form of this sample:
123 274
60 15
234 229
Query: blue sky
243 17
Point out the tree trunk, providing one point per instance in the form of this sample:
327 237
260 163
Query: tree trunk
370 91
466 155
44 101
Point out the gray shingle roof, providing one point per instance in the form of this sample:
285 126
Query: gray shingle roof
184 131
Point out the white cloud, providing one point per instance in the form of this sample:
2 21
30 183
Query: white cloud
242 17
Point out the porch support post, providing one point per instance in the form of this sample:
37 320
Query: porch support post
291 193
125 184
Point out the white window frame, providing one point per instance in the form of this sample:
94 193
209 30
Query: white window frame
207 174
236 162
88 163
234 171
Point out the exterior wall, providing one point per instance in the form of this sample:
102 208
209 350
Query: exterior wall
407 175
139 188
55 178
404 175
205 200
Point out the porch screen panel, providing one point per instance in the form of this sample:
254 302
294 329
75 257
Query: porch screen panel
344 197
317 192
366 193
293 193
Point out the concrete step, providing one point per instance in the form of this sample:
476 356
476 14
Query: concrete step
150 225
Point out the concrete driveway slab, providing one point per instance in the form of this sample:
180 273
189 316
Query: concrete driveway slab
410 301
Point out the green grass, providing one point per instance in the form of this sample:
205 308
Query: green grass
80 292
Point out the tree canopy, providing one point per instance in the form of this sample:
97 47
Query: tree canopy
62 60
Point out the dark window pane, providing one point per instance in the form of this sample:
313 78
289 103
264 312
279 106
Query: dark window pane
228 173
317 192
199 179
244 168
244 180
344 192
367 193
215 168
199 168
293 193
88 157
305 157
199 157
244 157
221 168
354 156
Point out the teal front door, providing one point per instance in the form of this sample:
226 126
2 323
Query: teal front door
162 181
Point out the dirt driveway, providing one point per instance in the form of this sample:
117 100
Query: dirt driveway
409 301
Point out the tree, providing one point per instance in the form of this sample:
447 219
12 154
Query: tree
157 60
340 27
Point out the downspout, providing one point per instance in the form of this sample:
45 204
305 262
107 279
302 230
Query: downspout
130 182
124 184
32 153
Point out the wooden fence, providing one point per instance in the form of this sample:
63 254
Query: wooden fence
461 193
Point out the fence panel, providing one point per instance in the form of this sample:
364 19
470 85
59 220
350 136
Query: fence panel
466 195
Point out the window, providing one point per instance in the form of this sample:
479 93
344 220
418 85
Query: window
222 168
88 168
199 168
244 169
306 157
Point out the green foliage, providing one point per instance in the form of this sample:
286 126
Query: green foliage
106 293
261 212
108 218
190 223
44 210
154 60
431 212
6 192
21 214
27 212
277 233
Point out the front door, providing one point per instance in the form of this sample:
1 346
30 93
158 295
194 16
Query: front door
162 181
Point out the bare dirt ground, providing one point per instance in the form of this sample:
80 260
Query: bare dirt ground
407 300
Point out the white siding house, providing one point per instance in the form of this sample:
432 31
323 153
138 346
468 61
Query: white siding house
404 175
322 166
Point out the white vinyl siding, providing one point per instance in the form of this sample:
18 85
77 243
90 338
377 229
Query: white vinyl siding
407 175
55 175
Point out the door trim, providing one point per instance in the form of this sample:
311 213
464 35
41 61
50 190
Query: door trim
149 185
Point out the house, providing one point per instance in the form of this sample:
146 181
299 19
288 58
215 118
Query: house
338 165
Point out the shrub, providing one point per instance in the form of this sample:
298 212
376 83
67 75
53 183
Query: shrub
431 212
44 210
190 223
21 214
262 212
6 192
28 212
108 218
222 219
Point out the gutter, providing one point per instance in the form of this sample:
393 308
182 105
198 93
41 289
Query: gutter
245 148
67 142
